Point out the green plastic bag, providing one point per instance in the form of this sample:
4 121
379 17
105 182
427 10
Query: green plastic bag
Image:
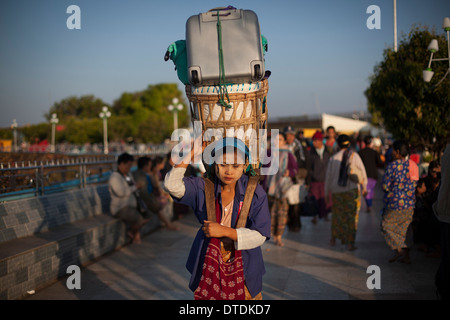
177 53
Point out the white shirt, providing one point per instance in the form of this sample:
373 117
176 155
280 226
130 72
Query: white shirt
246 238
320 152
332 175
122 195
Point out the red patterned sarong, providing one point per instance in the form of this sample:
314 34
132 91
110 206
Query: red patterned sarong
223 272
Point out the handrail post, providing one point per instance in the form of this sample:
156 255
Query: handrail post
42 179
84 175
37 181
81 174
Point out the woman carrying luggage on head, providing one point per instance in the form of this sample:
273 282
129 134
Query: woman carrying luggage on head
225 260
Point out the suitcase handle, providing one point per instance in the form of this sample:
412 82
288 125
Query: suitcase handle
222 15
222 9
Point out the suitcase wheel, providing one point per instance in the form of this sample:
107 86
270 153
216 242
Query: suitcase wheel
194 77
257 69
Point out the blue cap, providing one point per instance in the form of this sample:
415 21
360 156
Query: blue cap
234 142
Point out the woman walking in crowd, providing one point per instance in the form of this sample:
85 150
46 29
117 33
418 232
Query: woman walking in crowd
302 157
441 209
431 223
372 161
277 186
345 193
221 243
317 167
399 201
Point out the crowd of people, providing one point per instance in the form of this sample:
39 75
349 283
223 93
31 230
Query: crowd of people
337 171
323 164
137 195
141 180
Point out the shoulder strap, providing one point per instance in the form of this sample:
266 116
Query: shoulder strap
125 178
210 199
249 192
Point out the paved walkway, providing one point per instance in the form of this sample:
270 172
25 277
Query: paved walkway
305 268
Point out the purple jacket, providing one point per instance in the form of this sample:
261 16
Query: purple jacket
292 166
258 219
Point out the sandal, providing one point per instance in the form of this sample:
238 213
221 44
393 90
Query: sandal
396 256
405 260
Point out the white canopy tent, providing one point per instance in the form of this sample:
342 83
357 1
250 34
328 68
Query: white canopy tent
347 125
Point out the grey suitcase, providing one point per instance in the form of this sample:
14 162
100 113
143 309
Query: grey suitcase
242 47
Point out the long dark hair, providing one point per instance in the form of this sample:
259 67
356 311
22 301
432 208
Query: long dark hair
344 143
125 157
401 147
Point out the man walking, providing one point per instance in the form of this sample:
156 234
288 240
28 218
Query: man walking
317 168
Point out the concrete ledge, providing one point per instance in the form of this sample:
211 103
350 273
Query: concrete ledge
26 217
76 229
32 262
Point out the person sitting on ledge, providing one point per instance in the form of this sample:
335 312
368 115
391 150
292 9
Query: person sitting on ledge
123 201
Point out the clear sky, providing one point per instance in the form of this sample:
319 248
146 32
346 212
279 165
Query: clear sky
321 53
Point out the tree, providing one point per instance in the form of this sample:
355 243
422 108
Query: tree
154 129
6 133
144 116
141 116
80 131
36 132
403 103
84 107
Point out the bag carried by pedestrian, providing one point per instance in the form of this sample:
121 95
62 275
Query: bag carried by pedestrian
310 207
355 174
349 171
141 205
296 193
293 194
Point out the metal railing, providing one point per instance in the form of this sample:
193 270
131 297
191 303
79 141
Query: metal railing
22 180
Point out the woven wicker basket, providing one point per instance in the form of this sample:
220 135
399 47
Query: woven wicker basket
249 111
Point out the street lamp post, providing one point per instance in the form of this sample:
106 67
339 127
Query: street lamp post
395 25
14 127
54 120
175 107
105 114
433 47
